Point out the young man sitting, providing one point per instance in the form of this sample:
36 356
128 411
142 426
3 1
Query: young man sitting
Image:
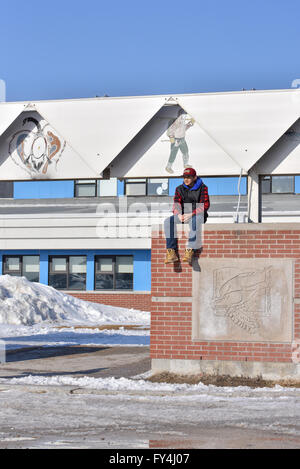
191 203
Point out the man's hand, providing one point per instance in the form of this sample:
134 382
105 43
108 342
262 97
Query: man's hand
185 217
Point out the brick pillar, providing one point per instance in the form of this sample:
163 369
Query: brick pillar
243 343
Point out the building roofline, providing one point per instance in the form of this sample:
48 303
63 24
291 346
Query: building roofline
166 96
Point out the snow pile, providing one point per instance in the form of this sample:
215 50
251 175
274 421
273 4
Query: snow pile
28 303
139 384
104 384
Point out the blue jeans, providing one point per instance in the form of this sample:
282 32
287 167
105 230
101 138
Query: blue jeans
195 223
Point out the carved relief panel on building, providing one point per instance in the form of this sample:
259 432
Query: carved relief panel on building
243 299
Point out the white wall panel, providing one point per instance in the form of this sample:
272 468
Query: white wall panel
76 232
8 113
204 155
99 129
32 149
225 133
284 156
246 124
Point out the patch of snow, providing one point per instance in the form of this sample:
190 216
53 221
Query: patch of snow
28 303
141 385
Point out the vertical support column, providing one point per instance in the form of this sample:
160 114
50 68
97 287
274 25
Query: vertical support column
120 187
44 267
142 270
254 197
90 271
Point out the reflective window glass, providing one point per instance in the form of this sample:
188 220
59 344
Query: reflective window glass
104 282
58 281
25 266
266 184
12 263
136 188
31 268
68 273
77 264
282 184
85 190
158 186
104 264
114 273
31 264
59 264
124 264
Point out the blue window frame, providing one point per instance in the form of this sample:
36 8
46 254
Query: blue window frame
67 272
114 272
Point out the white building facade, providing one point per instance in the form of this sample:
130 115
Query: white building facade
83 181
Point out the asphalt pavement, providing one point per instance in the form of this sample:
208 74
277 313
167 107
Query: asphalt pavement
76 361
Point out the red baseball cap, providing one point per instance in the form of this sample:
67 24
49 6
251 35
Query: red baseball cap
189 172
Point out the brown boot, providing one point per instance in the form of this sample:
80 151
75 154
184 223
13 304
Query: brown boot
171 256
188 255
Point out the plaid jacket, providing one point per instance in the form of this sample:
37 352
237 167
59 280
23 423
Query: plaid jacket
183 196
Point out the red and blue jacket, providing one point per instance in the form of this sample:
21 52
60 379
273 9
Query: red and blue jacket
191 199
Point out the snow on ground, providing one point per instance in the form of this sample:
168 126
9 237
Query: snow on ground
126 413
118 412
28 303
36 314
141 385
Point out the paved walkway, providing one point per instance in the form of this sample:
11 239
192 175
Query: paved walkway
73 417
77 361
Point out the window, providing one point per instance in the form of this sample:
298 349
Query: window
22 266
67 272
157 186
135 187
266 185
95 187
278 184
151 186
85 188
114 272
6 189
282 184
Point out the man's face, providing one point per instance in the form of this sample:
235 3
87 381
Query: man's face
189 180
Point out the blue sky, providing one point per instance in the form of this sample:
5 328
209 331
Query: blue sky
70 49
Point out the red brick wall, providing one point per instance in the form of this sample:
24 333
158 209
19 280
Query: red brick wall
140 301
171 322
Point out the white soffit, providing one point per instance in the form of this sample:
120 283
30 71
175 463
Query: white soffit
99 129
284 156
246 124
8 113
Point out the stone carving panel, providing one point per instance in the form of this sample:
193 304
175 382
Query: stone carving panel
243 299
